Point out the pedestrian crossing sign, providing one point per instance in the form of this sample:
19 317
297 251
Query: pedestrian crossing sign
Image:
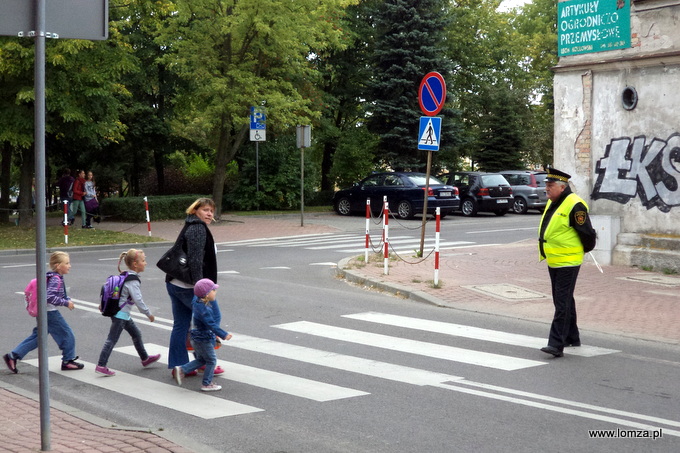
430 132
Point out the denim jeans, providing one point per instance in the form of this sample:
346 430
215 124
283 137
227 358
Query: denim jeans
77 205
59 330
181 313
117 327
205 355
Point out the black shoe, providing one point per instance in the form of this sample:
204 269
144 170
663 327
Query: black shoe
11 363
71 365
88 227
552 350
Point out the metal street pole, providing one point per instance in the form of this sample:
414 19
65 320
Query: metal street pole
302 186
427 188
40 241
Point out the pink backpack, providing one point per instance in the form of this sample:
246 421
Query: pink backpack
31 297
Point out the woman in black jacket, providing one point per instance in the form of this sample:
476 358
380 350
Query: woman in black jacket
202 262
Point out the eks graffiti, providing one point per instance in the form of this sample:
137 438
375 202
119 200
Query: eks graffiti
634 167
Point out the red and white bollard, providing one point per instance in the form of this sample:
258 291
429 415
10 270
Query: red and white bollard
386 243
368 222
65 222
436 250
148 220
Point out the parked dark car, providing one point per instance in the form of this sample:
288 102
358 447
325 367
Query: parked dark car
528 188
485 192
404 191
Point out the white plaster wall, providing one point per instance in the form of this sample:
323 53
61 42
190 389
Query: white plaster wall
657 116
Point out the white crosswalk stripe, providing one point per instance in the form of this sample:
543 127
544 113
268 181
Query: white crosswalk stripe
271 380
473 332
188 399
347 243
165 395
422 348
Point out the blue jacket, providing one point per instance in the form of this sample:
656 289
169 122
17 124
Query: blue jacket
207 319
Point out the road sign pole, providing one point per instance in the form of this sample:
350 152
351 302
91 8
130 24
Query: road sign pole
302 186
40 230
427 189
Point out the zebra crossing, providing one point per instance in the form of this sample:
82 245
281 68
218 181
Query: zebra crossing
302 385
346 243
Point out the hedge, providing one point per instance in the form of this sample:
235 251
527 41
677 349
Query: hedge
131 209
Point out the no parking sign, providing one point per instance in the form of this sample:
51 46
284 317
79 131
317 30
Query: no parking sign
432 93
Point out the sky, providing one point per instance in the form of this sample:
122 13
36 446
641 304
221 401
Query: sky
513 3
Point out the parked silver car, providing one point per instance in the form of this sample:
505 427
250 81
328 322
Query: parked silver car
528 188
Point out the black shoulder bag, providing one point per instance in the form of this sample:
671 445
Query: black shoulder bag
174 262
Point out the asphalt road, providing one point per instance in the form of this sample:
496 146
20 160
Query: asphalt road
317 364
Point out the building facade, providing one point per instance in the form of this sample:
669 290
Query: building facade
617 124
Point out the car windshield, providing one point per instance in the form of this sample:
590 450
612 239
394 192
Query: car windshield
494 180
419 180
540 179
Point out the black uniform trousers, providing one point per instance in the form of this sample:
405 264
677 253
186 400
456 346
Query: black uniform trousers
563 331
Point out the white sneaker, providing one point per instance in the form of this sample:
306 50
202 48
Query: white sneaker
178 374
211 388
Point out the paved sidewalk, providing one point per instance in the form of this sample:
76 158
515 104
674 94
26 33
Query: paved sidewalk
509 280
503 280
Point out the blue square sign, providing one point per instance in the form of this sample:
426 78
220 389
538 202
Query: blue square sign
429 133
258 120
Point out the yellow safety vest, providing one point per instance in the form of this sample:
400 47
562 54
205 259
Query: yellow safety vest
562 245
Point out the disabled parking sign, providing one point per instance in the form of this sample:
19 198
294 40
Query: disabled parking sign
429 133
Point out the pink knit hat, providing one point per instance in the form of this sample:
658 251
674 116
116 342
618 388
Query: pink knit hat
204 286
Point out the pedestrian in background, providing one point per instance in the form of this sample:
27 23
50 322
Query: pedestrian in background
90 200
207 319
130 294
56 324
201 255
64 184
77 204
565 235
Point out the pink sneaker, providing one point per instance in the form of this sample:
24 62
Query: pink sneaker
151 359
211 387
104 370
218 370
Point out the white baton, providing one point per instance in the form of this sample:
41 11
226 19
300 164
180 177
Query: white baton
599 268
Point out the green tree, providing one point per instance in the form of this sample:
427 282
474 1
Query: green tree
491 84
148 111
239 54
501 122
345 74
409 38
82 97
536 24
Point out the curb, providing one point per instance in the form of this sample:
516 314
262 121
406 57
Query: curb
398 290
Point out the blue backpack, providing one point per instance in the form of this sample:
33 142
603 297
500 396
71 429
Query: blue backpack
110 303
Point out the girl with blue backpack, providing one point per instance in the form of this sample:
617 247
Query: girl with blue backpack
130 295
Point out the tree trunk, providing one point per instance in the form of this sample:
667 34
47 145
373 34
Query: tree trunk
227 146
26 188
326 165
160 170
5 182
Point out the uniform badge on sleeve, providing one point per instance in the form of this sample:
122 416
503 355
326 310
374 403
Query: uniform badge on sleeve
580 217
